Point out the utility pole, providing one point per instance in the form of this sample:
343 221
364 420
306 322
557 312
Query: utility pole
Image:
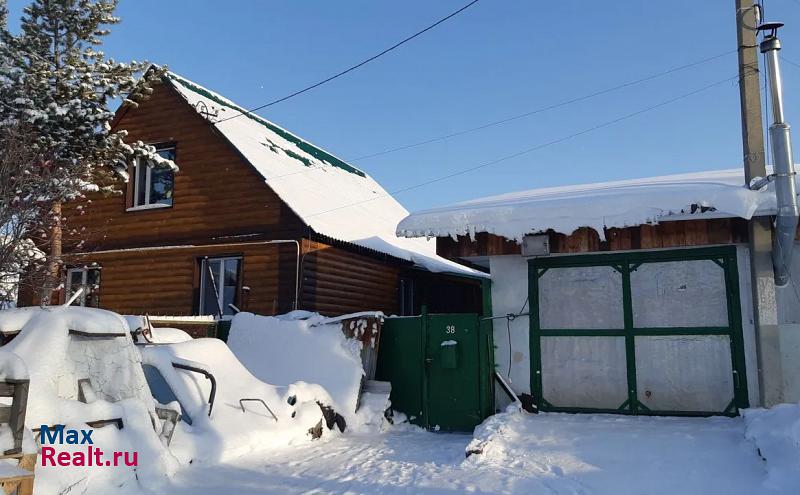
765 310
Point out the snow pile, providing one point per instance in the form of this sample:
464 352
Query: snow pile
603 205
12 367
776 434
166 335
311 353
605 454
331 196
159 335
229 431
100 350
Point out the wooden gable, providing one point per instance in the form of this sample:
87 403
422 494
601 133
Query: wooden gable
217 194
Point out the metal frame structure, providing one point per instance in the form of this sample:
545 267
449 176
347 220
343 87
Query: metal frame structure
625 263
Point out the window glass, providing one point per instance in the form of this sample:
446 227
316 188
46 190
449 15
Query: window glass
219 285
140 185
231 285
161 179
153 185
87 279
210 287
75 281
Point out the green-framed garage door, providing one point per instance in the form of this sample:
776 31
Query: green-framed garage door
655 332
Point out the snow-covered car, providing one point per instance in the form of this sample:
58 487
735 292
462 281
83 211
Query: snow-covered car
225 410
85 367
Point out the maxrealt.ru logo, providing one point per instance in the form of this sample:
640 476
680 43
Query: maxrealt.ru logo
92 456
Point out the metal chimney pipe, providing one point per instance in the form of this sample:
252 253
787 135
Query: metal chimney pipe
783 163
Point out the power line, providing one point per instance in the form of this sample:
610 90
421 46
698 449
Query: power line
789 61
544 109
526 114
360 64
537 147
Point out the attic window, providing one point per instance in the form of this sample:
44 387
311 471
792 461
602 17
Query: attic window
153 186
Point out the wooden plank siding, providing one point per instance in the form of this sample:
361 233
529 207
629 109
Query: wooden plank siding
216 192
167 281
336 281
684 233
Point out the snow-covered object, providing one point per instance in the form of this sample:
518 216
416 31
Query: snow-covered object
56 360
229 431
169 336
7 440
12 367
286 351
716 194
332 197
103 352
776 434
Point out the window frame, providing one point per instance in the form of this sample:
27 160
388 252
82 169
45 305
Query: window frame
221 288
84 270
141 165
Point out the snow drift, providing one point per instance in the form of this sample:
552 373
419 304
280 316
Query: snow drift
232 428
308 349
776 434
598 206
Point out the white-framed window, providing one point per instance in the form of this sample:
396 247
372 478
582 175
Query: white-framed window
88 279
153 186
219 285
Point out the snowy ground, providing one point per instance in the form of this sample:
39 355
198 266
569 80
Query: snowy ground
543 454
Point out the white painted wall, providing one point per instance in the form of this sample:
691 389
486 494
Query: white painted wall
748 325
509 294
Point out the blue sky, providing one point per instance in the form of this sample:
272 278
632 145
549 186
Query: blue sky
497 59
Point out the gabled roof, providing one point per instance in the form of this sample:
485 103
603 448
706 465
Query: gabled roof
627 203
334 198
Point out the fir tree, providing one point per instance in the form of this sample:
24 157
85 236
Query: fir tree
56 88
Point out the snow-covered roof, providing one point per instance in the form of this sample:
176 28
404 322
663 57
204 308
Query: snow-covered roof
627 203
333 197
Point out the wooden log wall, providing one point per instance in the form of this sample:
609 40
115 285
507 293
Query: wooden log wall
686 233
216 192
167 281
336 281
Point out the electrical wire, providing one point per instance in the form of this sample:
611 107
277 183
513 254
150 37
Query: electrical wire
516 117
790 62
356 66
533 148
509 319
545 108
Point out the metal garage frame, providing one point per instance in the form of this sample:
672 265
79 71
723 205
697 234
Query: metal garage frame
625 263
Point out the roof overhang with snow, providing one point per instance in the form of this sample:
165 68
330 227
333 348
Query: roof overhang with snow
619 204
335 199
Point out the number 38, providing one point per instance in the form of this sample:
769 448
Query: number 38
449 329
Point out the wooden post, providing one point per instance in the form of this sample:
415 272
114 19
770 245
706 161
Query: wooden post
765 311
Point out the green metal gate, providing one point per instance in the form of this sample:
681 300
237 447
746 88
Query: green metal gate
654 332
440 368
